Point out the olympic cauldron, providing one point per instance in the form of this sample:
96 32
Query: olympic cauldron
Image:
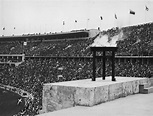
94 50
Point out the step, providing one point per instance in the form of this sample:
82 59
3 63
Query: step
151 80
148 90
143 86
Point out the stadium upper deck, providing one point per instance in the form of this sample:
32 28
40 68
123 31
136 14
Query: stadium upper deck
48 36
136 41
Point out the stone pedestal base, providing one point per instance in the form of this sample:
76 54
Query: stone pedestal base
63 95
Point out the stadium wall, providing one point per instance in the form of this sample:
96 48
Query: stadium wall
17 91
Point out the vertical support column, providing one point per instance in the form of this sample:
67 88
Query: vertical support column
23 57
104 59
94 66
113 66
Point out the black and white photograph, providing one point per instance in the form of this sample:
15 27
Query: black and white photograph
76 57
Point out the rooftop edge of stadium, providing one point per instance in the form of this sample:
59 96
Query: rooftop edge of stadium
57 35
40 36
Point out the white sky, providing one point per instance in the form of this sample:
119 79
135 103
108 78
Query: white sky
34 16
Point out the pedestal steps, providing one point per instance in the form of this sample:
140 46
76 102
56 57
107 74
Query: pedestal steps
145 88
148 90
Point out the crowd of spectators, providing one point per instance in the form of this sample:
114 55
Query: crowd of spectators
33 73
12 47
137 41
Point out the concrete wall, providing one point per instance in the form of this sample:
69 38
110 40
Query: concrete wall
56 97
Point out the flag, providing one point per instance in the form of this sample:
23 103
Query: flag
63 22
115 16
75 21
3 28
132 12
147 8
101 17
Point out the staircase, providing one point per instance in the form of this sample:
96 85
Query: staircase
145 88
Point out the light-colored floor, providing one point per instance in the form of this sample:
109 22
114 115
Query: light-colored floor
133 105
99 82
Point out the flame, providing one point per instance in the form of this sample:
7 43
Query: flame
106 41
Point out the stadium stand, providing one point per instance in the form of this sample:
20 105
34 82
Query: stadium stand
70 59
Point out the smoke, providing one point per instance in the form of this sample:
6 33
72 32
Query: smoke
107 41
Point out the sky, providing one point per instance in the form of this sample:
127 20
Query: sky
39 16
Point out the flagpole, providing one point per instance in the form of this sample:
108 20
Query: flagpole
146 10
45 27
101 18
62 27
129 20
29 29
39 28
145 16
3 31
116 20
24 29
14 31
87 23
75 24
131 13
145 13
114 23
101 24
